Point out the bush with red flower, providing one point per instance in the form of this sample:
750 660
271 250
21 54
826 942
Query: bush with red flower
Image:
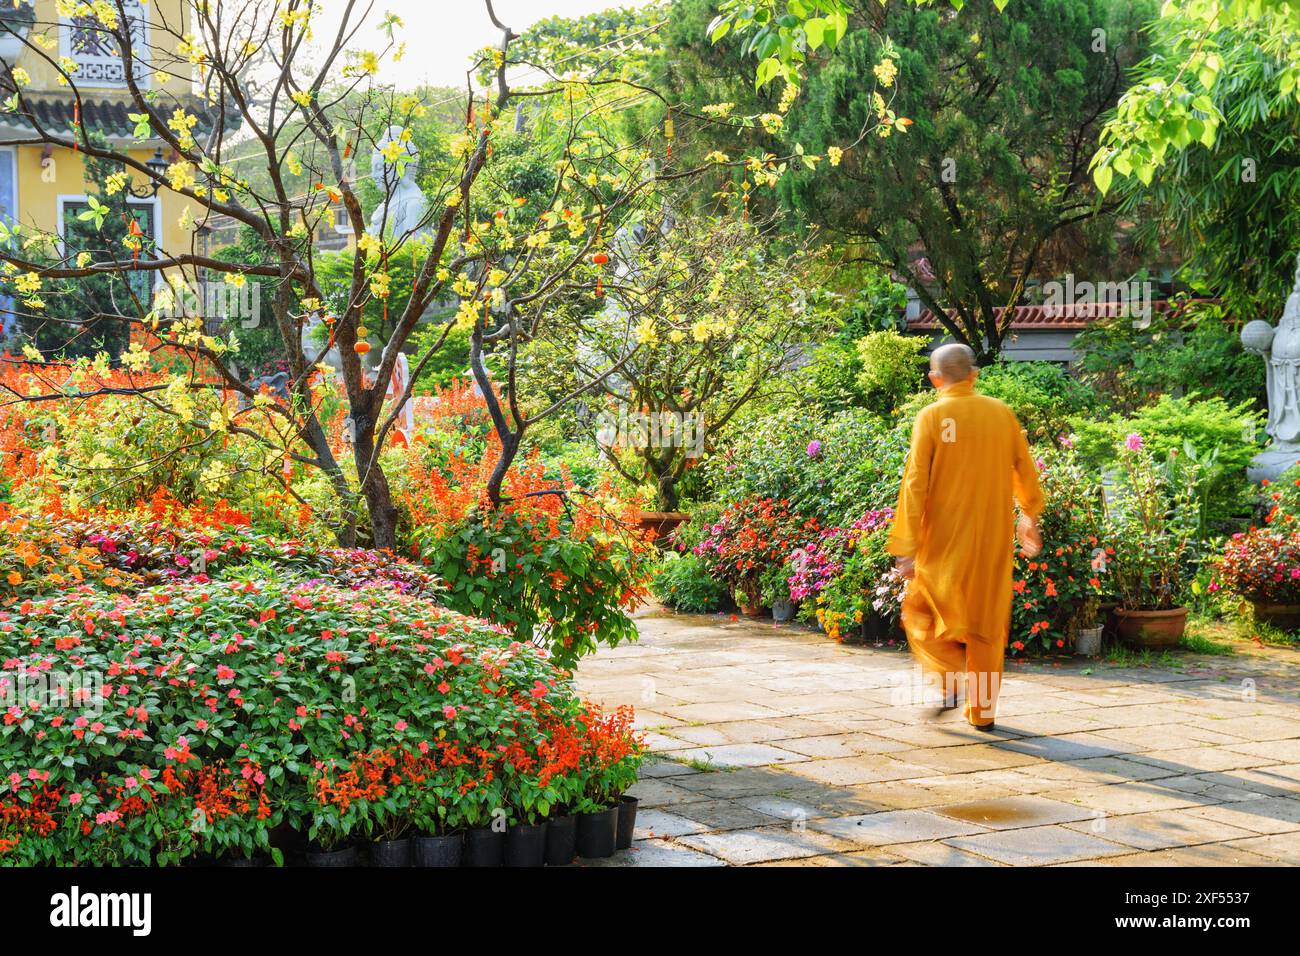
1057 592
1261 565
196 719
750 537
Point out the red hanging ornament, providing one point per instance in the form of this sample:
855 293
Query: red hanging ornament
76 122
600 259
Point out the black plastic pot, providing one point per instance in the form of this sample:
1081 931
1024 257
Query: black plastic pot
485 847
560 836
347 856
390 853
526 845
626 822
597 833
439 850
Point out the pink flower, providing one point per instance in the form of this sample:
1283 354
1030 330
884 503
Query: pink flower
814 448
449 712
74 798
131 783
400 725
224 672
1133 441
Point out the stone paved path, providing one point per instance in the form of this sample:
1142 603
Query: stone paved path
777 746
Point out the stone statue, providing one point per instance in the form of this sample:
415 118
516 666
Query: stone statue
1280 348
403 210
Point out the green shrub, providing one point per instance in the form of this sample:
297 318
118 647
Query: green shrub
891 368
1169 426
342 714
834 469
1197 352
1042 395
683 584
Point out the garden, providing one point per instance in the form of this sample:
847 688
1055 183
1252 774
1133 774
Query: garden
634 322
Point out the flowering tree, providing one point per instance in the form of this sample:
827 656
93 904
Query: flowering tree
723 314
505 262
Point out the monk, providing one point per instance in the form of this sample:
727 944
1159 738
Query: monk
952 533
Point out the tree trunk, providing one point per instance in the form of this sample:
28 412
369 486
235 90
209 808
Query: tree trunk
667 491
375 488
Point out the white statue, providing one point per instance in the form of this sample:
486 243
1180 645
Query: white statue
403 209
1280 348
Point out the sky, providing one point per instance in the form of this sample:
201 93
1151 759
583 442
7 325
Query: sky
441 34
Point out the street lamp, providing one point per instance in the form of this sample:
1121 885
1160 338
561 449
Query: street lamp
157 166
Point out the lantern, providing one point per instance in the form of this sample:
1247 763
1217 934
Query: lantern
599 259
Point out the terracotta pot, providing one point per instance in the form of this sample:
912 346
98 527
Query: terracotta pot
752 610
662 523
1163 628
1285 617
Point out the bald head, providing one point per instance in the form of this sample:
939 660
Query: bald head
951 363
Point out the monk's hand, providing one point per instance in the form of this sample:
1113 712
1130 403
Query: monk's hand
1031 539
906 567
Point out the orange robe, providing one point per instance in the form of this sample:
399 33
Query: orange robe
955 517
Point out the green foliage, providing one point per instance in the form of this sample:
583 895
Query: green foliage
289 691
542 581
854 467
261 348
1200 351
72 322
1042 394
684 584
990 169
1059 591
831 379
1152 522
1183 95
891 368
1210 426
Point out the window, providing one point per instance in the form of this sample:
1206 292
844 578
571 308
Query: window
8 215
95 50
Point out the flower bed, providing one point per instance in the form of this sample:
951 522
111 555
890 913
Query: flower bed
216 719
42 555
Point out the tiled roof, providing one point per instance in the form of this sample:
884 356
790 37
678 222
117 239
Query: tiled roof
1066 316
55 114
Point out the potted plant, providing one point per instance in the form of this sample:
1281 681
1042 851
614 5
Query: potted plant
774 591
1262 566
438 840
531 796
611 755
746 540
1087 641
1152 518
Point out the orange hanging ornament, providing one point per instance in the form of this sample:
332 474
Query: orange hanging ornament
76 123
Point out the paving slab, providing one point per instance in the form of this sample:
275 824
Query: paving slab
775 746
764 844
894 826
1037 846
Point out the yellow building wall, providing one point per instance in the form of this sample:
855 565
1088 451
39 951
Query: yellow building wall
172 12
38 199
37 187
